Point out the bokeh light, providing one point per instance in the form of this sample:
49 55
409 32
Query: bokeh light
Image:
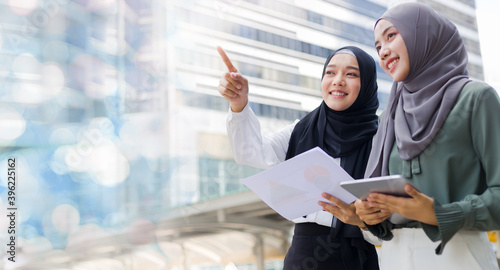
57 162
26 66
101 158
12 125
109 165
65 218
52 78
23 7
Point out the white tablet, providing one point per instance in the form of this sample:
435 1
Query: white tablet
391 184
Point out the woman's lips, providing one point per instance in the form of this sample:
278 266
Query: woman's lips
338 93
392 63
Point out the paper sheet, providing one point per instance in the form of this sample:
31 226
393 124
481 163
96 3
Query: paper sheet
293 187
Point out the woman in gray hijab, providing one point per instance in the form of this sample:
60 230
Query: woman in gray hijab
441 131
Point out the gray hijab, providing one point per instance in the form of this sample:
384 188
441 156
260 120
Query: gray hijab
419 105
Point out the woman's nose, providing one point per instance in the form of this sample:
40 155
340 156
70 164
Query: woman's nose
338 80
384 52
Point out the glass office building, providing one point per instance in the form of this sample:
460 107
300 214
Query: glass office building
111 112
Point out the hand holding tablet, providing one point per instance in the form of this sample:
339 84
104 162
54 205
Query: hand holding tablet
390 185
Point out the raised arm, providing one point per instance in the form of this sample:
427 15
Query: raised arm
233 86
243 128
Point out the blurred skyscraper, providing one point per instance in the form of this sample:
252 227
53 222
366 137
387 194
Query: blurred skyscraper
112 112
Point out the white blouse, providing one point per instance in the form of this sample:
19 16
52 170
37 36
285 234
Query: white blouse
252 149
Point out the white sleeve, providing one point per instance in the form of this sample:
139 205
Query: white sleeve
321 217
370 238
249 146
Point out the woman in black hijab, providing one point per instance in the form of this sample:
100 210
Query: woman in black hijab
343 126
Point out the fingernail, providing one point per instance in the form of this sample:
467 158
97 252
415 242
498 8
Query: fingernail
238 86
233 75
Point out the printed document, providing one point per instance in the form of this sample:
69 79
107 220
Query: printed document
293 187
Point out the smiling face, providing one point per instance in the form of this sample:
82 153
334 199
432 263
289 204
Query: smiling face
341 82
392 50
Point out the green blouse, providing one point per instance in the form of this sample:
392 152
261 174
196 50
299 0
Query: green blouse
460 169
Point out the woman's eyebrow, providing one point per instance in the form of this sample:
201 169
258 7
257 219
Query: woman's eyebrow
348 67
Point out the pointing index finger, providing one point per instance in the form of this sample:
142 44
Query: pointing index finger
226 60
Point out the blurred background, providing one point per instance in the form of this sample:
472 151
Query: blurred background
111 111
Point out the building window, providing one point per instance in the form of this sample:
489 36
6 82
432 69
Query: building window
221 177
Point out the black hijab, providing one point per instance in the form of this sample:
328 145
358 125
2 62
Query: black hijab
346 134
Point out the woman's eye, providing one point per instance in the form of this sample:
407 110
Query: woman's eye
389 36
352 74
330 72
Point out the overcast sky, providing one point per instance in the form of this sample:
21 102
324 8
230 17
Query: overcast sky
488 19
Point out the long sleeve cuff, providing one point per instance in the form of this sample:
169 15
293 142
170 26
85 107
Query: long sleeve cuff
239 115
381 230
450 219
